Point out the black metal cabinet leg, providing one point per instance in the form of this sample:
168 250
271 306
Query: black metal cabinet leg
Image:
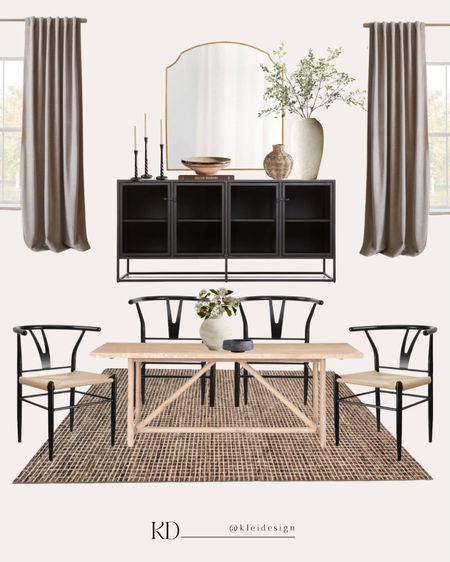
430 412
336 408
378 410
212 386
50 412
237 384
305 382
113 409
202 386
19 412
72 409
399 412
246 379
143 383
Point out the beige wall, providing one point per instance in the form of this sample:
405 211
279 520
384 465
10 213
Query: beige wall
126 47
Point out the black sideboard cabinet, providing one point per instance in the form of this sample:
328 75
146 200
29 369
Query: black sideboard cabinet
227 221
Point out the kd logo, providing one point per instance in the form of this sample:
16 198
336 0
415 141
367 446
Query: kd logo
168 530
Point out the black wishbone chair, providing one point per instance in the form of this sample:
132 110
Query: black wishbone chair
391 383
173 333
58 383
276 333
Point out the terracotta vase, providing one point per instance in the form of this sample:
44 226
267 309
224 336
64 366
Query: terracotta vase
278 163
307 147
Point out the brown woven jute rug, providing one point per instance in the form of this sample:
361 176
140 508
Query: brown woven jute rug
85 455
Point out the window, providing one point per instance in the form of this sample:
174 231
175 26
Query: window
11 81
438 80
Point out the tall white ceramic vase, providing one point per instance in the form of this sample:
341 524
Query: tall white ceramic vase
214 330
306 148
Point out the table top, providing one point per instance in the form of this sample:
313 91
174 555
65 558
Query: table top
269 352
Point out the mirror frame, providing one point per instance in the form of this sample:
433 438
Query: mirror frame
165 97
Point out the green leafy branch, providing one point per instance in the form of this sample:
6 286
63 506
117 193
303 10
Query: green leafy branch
315 83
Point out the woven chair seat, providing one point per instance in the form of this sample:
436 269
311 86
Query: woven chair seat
383 380
65 380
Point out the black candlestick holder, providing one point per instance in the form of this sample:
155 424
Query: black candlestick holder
146 175
161 167
136 176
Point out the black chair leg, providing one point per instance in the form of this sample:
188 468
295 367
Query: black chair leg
19 412
305 382
143 384
202 389
246 379
237 384
378 411
430 412
399 412
202 386
336 408
50 412
113 409
72 409
212 386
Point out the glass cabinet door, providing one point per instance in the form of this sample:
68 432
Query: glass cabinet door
306 219
253 219
145 220
199 219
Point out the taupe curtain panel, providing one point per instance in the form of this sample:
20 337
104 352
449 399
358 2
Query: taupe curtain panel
52 137
398 171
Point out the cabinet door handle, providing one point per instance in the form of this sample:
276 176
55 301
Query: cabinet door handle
285 199
167 199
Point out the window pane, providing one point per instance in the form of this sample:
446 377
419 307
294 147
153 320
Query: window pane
438 162
448 173
439 198
11 158
1 94
13 93
436 98
448 97
1 168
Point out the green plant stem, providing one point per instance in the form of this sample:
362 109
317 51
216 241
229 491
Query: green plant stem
315 99
300 112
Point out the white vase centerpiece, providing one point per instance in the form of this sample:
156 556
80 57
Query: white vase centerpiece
216 306
307 145
315 83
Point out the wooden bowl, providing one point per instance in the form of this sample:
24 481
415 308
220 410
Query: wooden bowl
206 165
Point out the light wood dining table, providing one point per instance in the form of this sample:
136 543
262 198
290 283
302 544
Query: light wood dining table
268 353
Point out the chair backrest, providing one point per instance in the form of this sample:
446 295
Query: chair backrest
277 324
173 321
411 333
38 331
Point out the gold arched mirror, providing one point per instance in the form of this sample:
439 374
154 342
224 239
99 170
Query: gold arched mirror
214 93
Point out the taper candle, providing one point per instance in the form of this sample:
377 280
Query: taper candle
145 124
160 132
135 140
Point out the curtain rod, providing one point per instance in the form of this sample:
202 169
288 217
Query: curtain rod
426 24
82 20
